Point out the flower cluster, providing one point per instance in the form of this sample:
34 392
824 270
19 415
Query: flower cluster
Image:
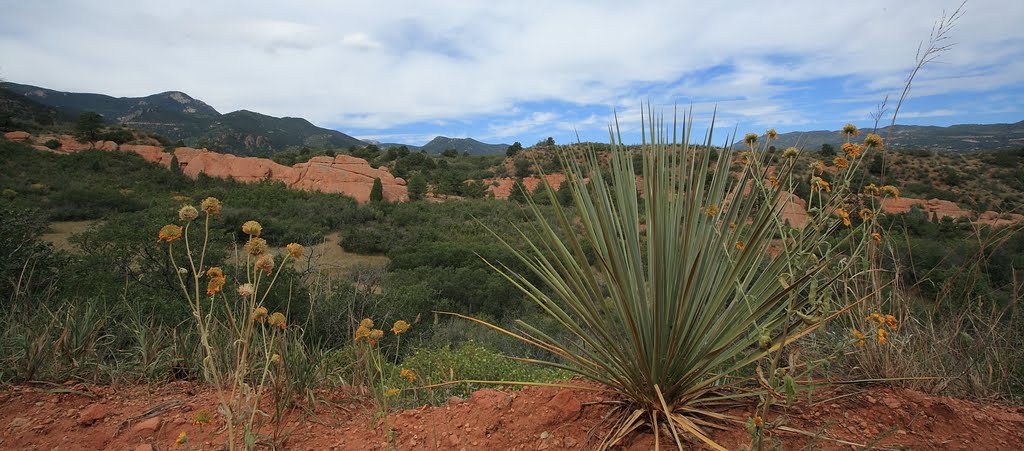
817 184
365 331
216 282
852 150
169 232
844 216
884 325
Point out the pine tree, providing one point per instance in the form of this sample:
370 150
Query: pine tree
377 192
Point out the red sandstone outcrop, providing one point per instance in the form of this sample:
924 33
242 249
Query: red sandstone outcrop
342 174
354 177
17 136
502 187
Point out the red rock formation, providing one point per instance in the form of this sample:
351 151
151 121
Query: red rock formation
17 136
502 187
342 174
941 208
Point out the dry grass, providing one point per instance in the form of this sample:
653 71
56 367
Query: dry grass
61 231
329 257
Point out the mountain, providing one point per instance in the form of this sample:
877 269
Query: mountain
959 138
177 116
441 143
20 112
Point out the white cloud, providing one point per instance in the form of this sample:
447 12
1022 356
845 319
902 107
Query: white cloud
385 65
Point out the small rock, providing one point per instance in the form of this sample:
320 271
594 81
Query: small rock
872 399
454 440
545 435
144 447
147 426
92 414
892 403
18 423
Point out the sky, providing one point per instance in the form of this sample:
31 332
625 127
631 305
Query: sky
503 71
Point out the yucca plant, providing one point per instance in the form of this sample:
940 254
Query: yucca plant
694 275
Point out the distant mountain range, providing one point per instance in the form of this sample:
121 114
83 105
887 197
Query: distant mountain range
960 138
177 116
442 143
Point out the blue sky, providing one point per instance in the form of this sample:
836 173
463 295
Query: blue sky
504 71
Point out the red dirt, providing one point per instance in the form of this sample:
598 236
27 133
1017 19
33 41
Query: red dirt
47 418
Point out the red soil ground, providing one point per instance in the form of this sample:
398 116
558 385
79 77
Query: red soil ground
77 417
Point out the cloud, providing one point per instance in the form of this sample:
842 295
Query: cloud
931 113
359 40
488 69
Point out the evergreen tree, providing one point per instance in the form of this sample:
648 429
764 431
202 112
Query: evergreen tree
513 149
88 125
417 187
377 192
564 194
518 192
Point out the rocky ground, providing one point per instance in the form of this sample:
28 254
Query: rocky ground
80 417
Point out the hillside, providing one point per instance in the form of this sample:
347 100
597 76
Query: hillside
958 138
177 116
22 113
441 143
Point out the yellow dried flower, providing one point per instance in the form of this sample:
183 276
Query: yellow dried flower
877 237
790 152
246 290
265 262
758 421
201 418
216 282
844 216
712 210
408 374
739 245
169 232
818 184
277 319
850 130
275 359
750 139
773 180
771 134
375 335
260 314
859 337
295 250
883 336
866 214
872 190
211 206
872 141
182 439
391 392
367 323
853 150
817 167
255 246
892 191
841 163
252 228
891 322
362 332
188 213
400 327
764 342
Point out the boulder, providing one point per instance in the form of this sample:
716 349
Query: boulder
108 146
17 136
